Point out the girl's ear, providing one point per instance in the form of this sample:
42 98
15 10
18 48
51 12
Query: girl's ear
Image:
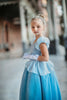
44 30
43 27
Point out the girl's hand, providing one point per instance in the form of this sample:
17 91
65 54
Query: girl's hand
33 57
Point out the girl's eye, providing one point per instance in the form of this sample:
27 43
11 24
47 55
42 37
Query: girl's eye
33 27
38 26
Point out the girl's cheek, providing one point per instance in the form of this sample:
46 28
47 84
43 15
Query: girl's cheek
32 29
39 29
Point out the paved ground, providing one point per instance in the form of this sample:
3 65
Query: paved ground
11 71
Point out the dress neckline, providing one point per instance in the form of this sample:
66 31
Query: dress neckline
37 39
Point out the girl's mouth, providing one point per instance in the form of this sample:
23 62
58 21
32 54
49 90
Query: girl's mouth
35 32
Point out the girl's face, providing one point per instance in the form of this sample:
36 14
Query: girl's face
37 26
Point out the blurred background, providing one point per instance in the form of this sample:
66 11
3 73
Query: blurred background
16 38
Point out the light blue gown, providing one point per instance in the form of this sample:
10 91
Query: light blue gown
39 81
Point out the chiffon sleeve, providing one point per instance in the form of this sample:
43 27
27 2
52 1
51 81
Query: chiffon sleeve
42 40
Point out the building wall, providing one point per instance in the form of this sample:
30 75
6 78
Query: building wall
14 36
0 31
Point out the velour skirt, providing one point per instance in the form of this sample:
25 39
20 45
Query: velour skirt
39 87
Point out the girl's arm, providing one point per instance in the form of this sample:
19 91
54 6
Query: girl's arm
44 52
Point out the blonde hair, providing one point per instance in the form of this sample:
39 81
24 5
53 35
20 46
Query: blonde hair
39 16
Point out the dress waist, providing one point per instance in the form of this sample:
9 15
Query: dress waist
40 67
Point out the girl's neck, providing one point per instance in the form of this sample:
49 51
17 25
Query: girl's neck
37 36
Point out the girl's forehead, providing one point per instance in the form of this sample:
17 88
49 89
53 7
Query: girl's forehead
36 21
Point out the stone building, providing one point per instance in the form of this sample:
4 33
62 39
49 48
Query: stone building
10 33
14 35
15 17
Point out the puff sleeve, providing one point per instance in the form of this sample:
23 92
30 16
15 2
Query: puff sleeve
42 40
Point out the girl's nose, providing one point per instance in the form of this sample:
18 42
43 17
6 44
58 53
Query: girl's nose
35 29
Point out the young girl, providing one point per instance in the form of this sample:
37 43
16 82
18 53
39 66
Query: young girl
39 81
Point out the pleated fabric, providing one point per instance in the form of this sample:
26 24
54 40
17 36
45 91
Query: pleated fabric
37 87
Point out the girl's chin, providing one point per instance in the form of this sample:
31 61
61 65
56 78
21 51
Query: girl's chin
36 33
